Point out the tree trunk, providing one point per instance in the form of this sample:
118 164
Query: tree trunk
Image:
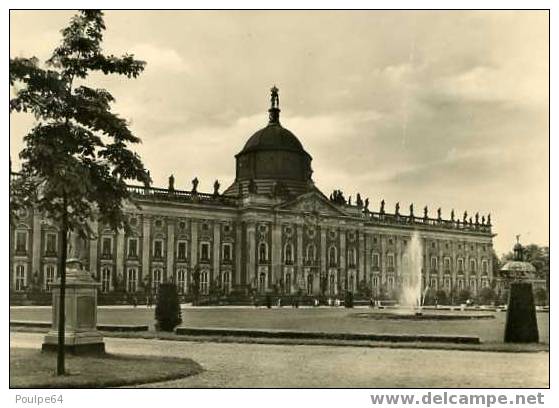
60 369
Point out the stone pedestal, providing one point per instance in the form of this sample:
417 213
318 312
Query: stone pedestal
522 324
81 335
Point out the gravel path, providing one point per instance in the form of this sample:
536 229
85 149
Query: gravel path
258 365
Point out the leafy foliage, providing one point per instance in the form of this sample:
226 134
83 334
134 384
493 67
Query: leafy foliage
75 160
167 310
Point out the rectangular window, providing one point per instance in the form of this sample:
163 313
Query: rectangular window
390 260
376 260
484 266
472 265
181 250
107 246
105 279
227 252
226 282
447 264
434 283
49 276
158 248
132 247
460 265
50 244
205 251
20 278
131 280
21 241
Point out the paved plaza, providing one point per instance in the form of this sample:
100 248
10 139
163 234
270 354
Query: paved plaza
258 365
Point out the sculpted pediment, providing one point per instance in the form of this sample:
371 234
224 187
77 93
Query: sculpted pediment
312 203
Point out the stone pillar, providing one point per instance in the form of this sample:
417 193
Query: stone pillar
170 250
361 254
342 260
193 244
93 244
276 252
120 257
36 248
251 252
216 250
300 256
146 247
238 252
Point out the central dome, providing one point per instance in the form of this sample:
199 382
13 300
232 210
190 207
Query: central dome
273 137
273 160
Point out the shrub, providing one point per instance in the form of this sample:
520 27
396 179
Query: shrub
441 298
540 297
348 299
167 310
486 296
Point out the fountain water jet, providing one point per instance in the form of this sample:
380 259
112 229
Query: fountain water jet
410 296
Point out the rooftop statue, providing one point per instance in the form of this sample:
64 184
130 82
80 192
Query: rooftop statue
216 187
367 204
195 185
382 206
483 220
147 182
439 213
425 212
274 98
359 200
397 209
171 183
477 218
452 215
411 210
489 219
465 218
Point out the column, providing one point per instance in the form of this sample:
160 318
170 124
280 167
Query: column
216 250
300 256
146 246
36 248
193 244
120 256
238 252
361 254
276 252
93 243
170 250
251 254
343 277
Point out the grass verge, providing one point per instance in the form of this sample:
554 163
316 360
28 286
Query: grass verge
30 368
494 347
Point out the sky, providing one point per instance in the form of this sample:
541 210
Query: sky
439 108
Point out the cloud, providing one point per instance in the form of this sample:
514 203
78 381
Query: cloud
160 59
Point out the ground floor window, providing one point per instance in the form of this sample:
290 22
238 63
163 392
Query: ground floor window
105 279
50 276
390 282
332 284
204 283
375 281
309 284
181 280
131 280
226 278
156 278
287 288
434 283
20 278
473 285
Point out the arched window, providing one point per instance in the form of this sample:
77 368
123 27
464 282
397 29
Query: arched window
20 278
105 279
181 280
263 252
226 282
288 255
333 256
156 278
311 252
287 288
472 265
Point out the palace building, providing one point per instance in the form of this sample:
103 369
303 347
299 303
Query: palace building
271 231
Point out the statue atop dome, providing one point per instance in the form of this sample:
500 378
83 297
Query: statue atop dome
274 110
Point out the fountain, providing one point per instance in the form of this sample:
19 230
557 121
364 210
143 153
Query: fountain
410 296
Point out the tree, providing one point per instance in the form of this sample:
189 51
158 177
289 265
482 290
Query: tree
486 296
168 310
76 161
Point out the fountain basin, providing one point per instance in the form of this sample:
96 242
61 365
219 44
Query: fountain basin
421 315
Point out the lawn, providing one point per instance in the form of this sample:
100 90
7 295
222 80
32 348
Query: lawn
29 368
312 319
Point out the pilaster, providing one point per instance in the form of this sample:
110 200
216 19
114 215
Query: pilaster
276 252
146 240
36 247
216 250
170 251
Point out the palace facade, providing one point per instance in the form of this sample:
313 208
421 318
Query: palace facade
272 230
